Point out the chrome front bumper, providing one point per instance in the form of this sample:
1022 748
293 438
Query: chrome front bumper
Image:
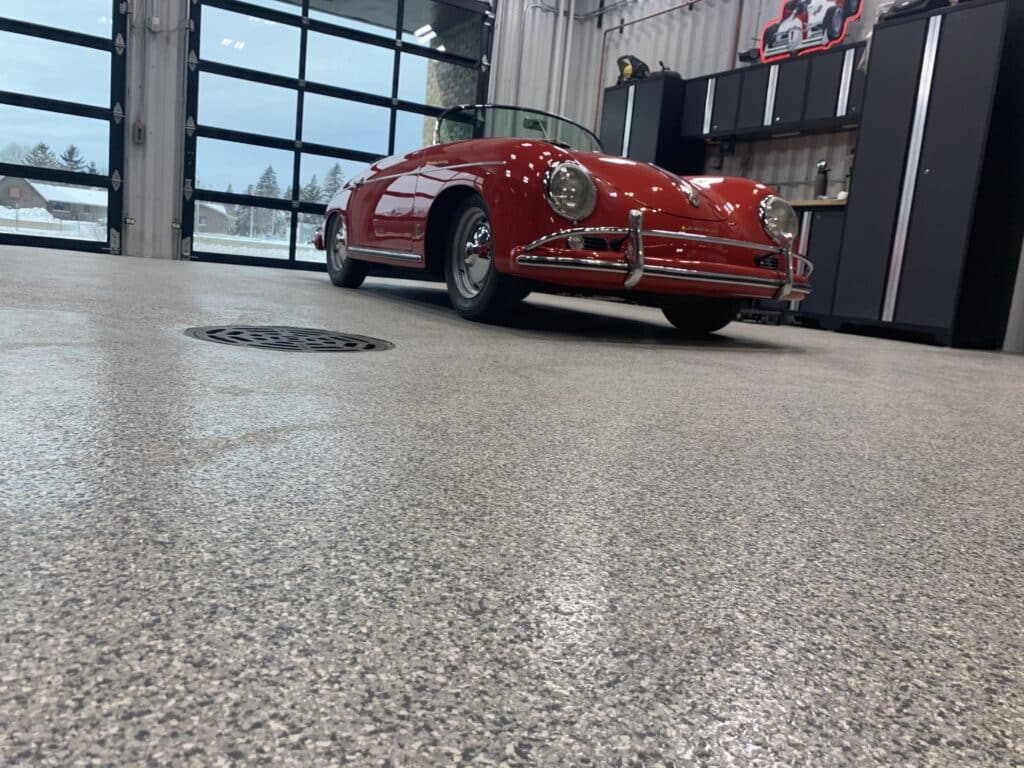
633 263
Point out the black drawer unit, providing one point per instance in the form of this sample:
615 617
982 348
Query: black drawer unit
934 224
824 227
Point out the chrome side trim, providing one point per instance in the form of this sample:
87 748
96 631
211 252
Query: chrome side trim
426 168
628 130
709 105
769 99
924 91
384 253
844 82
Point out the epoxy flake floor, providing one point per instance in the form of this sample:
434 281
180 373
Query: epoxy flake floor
574 541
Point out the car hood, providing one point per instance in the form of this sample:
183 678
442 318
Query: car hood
654 188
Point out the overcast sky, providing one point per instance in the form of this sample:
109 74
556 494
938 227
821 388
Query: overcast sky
73 73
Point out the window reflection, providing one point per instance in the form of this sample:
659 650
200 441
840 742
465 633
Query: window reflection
53 140
340 123
413 131
228 166
377 18
228 102
347 64
91 17
52 209
308 225
27 66
322 176
249 41
435 83
241 230
442 26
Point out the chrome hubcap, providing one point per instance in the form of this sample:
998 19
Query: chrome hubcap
338 249
473 253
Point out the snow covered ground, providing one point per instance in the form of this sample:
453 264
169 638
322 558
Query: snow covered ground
237 245
41 223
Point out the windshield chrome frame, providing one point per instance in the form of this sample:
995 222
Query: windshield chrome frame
441 117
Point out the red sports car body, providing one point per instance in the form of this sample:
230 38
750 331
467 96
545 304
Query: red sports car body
496 216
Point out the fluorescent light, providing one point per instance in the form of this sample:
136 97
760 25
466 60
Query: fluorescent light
424 39
441 48
423 30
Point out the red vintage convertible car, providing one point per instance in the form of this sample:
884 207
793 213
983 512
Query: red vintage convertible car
512 200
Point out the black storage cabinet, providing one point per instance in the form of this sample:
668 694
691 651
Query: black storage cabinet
934 223
640 119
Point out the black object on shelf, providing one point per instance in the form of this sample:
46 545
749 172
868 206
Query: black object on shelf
934 230
640 120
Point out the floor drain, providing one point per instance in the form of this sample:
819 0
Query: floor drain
287 339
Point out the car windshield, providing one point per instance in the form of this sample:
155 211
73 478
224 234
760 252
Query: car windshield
478 122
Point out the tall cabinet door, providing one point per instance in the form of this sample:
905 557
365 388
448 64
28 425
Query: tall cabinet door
878 169
613 119
966 68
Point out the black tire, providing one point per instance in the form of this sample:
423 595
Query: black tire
343 270
770 33
834 23
698 316
476 289
852 7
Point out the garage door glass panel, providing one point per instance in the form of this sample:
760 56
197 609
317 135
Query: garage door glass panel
347 64
376 18
341 123
322 176
241 105
413 131
30 207
304 250
37 138
91 17
228 166
55 70
443 27
283 6
435 83
250 42
240 230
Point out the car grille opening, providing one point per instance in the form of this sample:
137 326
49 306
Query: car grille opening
768 261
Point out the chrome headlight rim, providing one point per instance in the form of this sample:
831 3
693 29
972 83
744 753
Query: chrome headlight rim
591 188
781 238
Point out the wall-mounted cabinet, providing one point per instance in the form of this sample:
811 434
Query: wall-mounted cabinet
820 92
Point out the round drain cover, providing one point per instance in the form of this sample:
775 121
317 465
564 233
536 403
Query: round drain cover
288 339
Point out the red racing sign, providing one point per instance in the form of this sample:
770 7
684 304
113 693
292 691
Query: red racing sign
806 26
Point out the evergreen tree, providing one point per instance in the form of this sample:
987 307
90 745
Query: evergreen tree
332 181
71 158
91 168
312 192
41 156
267 186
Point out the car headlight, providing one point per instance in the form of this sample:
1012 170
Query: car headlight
779 220
570 191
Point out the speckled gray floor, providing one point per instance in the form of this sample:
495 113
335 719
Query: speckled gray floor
576 541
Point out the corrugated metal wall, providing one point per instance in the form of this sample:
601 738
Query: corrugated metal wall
693 41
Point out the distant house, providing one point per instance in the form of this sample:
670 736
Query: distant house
213 218
60 200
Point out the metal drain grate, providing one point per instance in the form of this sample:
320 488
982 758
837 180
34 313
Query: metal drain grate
288 339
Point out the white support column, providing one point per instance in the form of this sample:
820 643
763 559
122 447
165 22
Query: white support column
154 139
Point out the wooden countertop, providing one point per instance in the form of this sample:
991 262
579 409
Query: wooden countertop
830 203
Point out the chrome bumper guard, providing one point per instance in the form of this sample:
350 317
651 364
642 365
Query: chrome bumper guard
634 267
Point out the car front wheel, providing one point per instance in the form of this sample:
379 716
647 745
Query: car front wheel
477 290
341 268
698 316
834 23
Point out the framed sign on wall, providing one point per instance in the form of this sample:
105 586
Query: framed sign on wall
805 26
